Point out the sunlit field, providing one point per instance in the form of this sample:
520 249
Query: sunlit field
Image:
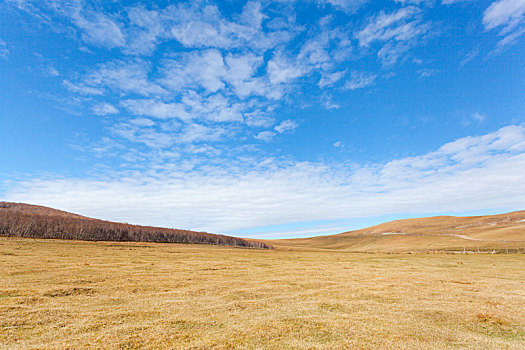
72 294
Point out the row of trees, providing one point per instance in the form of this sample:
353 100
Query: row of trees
16 223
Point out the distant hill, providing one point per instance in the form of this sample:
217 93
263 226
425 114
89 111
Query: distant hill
25 220
473 233
37 209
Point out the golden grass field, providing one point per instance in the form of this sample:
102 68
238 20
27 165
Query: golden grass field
72 294
486 233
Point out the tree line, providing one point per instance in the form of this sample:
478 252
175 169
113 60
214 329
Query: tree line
17 223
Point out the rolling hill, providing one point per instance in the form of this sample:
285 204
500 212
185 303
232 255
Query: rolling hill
473 233
32 221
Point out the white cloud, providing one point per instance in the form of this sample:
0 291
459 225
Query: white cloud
384 27
281 69
146 29
204 69
315 51
162 137
241 71
511 38
138 30
359 80
203 26
392 52
508 14
124 77
149 136
95 27
286 126
216 108
471 173
99 29
265 136
157 109
252 14
328 79
82 89
258 118
104 109
198 133
398 31
142 122
208 69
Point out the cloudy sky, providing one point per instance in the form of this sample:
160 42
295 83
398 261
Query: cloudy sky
263 118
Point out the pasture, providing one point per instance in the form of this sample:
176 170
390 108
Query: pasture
70 294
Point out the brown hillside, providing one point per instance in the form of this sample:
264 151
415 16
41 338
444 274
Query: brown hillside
489 232
37 209
25 220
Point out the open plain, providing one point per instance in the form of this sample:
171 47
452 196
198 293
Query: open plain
70 294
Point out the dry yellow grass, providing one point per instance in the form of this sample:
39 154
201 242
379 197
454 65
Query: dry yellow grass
441 233
70 294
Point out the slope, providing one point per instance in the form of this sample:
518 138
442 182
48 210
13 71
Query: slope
25 220
489 232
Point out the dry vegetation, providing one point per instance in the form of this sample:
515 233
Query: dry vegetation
24 220
72 294
490 233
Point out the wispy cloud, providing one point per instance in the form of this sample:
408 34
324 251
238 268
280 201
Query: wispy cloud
265 135
199 26
396 31
195 69
469 57
147 28
328 79
104 109
156 108
123 77
82 89
510 16
426 72
281 69
286 126
99 29
359 80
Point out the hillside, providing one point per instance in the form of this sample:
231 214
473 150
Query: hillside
489 232
24 208
25 220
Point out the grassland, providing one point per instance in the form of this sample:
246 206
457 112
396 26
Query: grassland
488 233
72 294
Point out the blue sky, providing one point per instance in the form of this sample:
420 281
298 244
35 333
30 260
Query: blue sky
263 118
